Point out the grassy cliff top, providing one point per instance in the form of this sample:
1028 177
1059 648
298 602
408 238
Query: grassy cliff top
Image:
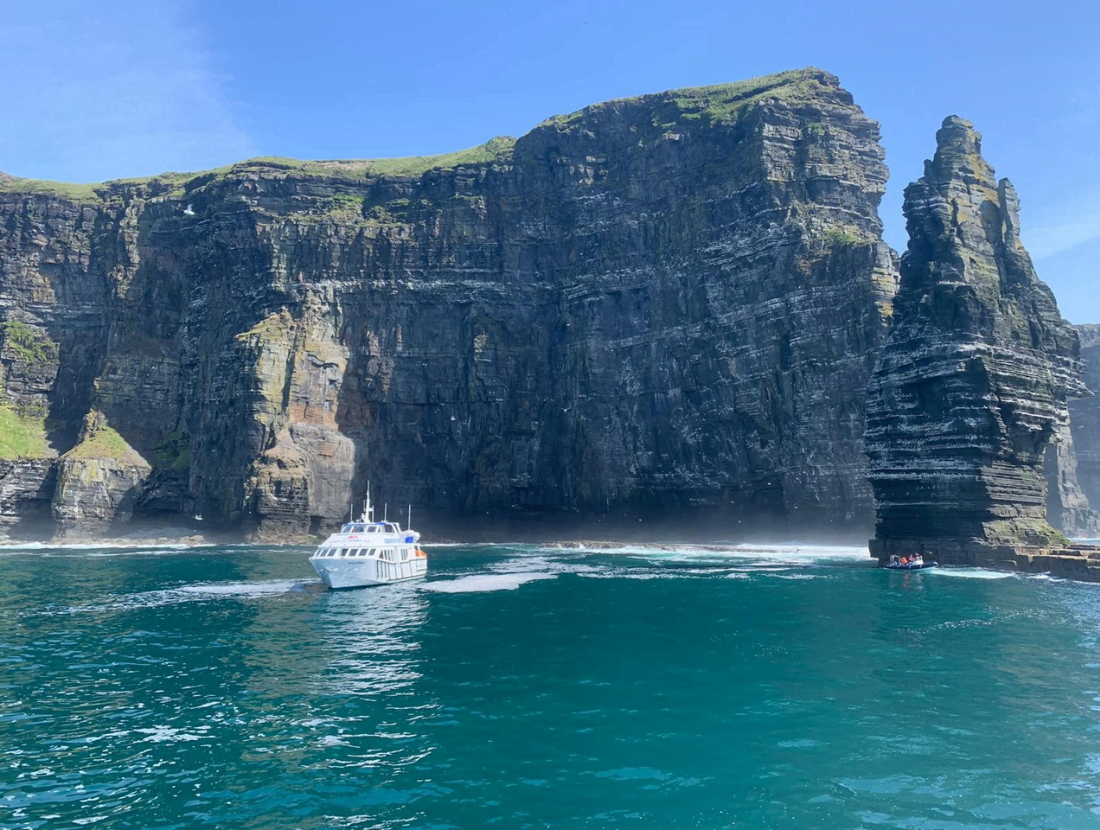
496 149
717 102
721 101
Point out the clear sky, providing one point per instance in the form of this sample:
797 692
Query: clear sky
90 91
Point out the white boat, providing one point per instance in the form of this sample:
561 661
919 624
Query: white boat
367 552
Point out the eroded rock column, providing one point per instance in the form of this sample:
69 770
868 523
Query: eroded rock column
972 384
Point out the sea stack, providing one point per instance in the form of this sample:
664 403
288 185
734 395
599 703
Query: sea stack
970 393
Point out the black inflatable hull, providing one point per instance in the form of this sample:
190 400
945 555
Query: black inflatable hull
923 567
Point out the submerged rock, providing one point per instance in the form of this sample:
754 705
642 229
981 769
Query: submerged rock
969 398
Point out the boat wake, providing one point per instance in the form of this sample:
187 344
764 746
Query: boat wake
189 593
971 573
484 582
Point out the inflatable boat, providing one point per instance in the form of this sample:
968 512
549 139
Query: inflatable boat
923 566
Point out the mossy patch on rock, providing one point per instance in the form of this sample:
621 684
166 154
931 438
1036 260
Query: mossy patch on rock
22 436
27 344
173 453
100 440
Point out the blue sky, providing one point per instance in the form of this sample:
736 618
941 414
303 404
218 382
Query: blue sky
95 91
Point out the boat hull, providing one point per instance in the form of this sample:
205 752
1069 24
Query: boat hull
339 574
923 567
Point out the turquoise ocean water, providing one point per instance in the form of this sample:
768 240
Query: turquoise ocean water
527 688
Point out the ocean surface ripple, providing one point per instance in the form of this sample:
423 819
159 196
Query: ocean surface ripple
527 687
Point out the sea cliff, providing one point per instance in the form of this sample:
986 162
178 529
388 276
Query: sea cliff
671 302
967 409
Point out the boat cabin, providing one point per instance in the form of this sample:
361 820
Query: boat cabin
371 527
393 553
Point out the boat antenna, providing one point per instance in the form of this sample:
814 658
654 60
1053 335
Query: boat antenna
368 510
386 512
410 519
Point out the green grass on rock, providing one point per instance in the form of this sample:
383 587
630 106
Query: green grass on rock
22 436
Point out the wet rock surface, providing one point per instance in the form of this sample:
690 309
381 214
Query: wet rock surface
967 408
668 303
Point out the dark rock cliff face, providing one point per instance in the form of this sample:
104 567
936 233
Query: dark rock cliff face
670 301
969 400
1085 418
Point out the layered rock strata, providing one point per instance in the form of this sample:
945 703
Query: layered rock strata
1085 418
967 407
663 303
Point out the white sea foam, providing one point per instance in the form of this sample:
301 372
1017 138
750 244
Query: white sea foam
4 548
484 582
115 545
168 734
970 573
542 564
1052 578
681 562
242 589
760 569
771 554
188 593
97 551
